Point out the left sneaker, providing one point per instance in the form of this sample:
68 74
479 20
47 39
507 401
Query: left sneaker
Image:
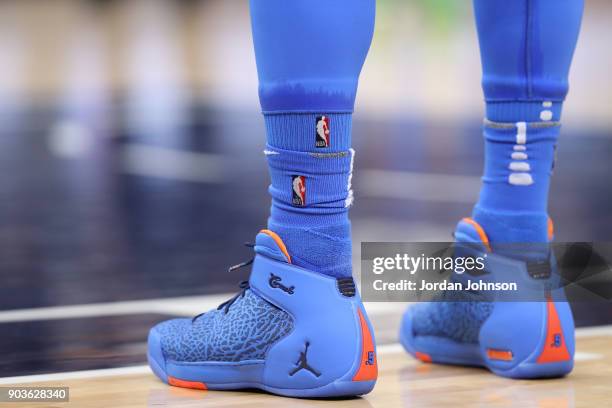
516 339
291 332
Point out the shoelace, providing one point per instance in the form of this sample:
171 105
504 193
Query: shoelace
244 285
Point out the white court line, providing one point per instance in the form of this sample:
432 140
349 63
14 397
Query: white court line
595 331
393 348
398 348
133 370
173 164
406 185
77 375
182 306
584 356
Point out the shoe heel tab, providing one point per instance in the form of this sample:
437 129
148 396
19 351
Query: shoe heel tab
469 230
269 244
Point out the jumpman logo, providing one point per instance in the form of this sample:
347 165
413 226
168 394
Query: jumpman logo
302 364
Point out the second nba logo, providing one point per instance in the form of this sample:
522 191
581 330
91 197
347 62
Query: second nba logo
323 132
299 190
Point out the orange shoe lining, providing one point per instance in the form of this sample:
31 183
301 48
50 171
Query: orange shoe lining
481 233
278 241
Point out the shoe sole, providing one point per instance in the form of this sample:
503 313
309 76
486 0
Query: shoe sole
244 376
425 349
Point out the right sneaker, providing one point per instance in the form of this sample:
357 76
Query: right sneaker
291 332
516 339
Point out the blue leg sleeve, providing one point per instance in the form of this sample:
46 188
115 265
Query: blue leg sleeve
526 48
310 52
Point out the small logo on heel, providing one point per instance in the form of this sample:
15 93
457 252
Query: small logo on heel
555 347
302 364
370 359
275 282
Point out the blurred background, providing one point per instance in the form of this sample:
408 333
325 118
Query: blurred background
131 164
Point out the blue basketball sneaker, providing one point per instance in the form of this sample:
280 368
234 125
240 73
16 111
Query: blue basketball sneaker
290 331
516 339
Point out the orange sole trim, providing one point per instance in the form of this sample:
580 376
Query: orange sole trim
186 384
424 357
501 355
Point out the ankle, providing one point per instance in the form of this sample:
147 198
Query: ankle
513 227
323 249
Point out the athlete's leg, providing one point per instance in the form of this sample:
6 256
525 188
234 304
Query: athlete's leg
526 48
298 328
309 56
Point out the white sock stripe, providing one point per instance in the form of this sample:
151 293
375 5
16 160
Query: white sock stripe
521 133
349 186
519 166
521 177
519 156
546 115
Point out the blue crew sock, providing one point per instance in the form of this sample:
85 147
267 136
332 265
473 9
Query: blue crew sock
524 111
519 158
310 163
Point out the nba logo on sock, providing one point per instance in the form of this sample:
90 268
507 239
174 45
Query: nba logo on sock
322 133
299 191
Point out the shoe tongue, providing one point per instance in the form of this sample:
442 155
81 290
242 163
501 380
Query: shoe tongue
269 244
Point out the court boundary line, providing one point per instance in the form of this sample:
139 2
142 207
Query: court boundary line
392 348
179 306
184 305
129 370
199 167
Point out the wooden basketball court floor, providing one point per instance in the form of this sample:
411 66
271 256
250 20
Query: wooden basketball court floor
403 382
